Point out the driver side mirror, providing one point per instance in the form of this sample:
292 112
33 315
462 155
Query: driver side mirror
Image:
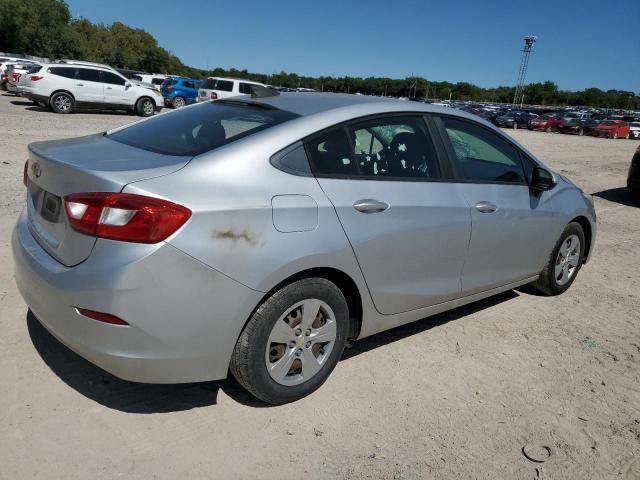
127 84
542 179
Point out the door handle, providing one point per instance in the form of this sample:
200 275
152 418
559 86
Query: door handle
108 88
370 206
79 84
486 207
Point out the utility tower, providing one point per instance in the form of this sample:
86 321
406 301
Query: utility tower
529 40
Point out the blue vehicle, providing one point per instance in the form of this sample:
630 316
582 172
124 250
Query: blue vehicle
179 91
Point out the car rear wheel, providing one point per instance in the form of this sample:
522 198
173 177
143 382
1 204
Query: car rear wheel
564 262
626 137
145 107
178 102
515 125
581 132
292 342
614 135
61 102
548 129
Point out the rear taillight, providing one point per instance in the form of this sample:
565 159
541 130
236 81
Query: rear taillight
214 96
124 216
25 175
35 78
169 89
16 76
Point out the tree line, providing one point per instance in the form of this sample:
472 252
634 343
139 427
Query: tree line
45 28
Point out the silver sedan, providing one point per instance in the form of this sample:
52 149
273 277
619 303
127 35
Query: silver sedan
256 235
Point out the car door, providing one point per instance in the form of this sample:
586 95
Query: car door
88 88
116 91
509 238
408 226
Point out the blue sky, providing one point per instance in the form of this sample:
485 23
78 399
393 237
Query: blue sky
582 43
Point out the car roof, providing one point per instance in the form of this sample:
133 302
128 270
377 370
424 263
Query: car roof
316 102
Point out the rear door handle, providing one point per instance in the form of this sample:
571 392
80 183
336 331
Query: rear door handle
108 88
370 206
80 84
486 207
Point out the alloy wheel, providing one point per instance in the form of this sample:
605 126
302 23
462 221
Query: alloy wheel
567 260
147 107
63 103
300 342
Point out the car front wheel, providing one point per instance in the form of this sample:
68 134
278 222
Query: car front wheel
564 263
145 107
178 102
292 342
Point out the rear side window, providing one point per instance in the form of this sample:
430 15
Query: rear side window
157 81
35 69
88 75
224 85
199 129
63 72
386 148
481 155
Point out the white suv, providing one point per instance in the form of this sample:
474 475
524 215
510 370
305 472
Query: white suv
67 85
214 88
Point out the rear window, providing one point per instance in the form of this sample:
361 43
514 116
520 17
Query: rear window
168 82
199 129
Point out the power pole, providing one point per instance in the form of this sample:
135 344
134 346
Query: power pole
529 41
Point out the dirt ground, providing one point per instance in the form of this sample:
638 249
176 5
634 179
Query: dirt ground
455 396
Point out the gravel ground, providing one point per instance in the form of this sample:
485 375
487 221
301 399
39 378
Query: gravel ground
455 396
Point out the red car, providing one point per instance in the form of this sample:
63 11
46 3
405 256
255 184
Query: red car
546 123
611 129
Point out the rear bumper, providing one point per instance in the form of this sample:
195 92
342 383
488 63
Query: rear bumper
184 316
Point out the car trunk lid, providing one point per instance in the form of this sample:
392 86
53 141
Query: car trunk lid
87 164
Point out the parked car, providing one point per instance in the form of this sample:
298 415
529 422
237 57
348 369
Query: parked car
256 235
215 87
633 178
151 79
66 86
576 126
16 73
515 119
611 129
548 123
634 130
180 91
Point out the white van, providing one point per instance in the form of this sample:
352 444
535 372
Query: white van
214 88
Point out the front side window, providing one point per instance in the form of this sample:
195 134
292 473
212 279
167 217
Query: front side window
389 148
199 129
246 88
481 155
112 78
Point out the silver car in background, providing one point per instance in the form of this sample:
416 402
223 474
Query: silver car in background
258 234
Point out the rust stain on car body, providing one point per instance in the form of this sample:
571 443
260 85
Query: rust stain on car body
235 236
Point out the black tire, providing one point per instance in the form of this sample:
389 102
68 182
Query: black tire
248 364
178 102
62 102
145 107
546 282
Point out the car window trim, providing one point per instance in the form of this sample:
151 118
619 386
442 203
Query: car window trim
344 126
459 178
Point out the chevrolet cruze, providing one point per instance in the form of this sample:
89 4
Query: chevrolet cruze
256 235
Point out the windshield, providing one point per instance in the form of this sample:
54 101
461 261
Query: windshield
202 128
